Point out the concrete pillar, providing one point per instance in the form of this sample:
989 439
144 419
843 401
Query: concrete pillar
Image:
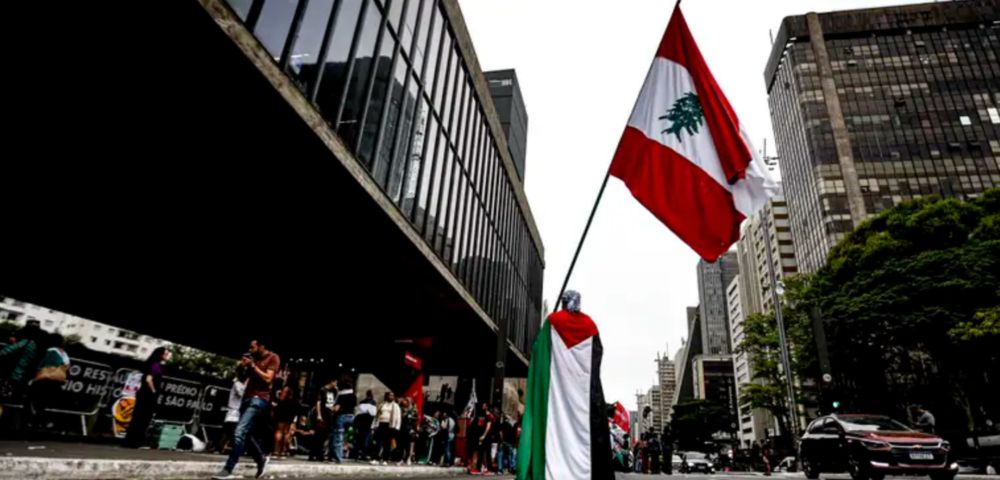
841 139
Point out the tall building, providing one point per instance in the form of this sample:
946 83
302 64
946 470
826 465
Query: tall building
661 396
877 106
753 423
666 374
769 228
712 379
656 401
713 278
692 314
506 93
331 151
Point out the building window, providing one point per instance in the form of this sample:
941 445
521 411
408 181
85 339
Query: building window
966 121
994 115
107 342
93 339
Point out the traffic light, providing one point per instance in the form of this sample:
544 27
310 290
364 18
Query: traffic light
835 404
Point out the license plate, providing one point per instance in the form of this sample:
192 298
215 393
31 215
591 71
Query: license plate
921 456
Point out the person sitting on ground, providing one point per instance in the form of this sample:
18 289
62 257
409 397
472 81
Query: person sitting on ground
48 381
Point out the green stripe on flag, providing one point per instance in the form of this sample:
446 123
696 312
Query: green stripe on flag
531 453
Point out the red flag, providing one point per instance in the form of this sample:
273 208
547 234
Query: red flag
684 154
621 417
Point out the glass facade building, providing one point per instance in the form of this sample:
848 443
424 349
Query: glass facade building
878 106
394 79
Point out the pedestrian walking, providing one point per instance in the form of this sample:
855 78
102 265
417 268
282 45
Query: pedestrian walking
145 398
386 424
260 369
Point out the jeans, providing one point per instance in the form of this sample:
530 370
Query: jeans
337 436
243 439
449 450
505 457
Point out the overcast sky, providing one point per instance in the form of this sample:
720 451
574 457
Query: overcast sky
580 65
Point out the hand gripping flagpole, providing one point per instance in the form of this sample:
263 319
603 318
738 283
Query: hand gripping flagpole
586 229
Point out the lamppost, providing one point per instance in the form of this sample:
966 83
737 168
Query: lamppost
793 411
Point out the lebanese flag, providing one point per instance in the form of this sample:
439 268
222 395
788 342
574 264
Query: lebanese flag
564 431
684 154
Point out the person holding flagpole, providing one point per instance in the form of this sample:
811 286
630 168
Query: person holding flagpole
685 156
565 433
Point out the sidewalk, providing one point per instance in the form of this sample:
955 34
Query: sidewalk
62 460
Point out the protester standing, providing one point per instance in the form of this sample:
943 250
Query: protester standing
343 411
386 425
145 398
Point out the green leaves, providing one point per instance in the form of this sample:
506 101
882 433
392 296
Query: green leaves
910 307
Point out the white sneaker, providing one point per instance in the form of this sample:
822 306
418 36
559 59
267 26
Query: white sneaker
374 462
408 461
384 463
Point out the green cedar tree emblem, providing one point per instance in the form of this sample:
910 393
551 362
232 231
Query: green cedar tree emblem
685 114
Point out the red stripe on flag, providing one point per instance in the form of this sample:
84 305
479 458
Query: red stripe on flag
572 328
685 198
678 45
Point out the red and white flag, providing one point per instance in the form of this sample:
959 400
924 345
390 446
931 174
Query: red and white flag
621 417
684 154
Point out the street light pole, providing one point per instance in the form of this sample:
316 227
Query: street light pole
793 412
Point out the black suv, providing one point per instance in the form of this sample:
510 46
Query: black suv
872 446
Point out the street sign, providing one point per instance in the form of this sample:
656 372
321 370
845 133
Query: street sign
827 377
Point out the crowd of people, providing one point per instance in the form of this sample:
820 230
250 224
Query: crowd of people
334 423
269 416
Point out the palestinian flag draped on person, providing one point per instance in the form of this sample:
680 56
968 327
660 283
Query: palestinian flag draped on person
564 431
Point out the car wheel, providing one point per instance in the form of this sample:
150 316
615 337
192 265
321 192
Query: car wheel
811 470
943 476
857 468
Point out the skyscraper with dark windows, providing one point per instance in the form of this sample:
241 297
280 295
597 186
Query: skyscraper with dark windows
878 106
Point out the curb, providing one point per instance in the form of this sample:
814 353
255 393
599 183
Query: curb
81 469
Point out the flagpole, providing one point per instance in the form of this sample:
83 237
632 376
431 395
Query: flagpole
583 237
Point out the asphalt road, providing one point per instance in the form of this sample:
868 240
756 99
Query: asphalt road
797 476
